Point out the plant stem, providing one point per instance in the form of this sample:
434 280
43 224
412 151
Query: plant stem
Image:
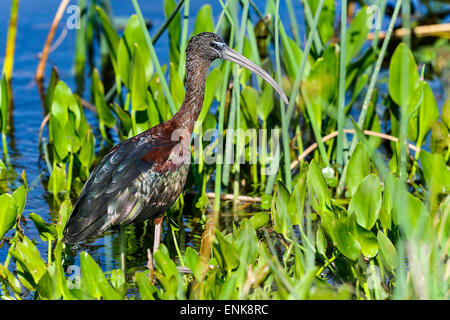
342 69
182 62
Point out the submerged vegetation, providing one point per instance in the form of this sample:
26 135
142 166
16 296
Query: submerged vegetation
357 208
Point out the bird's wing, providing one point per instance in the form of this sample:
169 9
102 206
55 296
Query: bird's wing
119 189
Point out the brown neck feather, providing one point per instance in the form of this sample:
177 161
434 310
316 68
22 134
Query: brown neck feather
196 73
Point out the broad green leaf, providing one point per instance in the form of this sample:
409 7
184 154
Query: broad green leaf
366 202
226 252
146 288
428 112
192 261
326 21
251 101
174 30
27 255
358 167
112 38
8 213
346 241
46 230
388 252
317 188
93 279
367 241
63 216
246 243
176 85
20 196
403 75
204 21
104 112
265 106
57 181
321 84
435 172
321 242
138 82
10 279
412 216
259 220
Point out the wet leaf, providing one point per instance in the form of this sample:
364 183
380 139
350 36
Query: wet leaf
403 75
46 230
357 33
8 213
27 255
388 252
93 280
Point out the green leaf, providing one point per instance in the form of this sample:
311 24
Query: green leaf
8 213
176 85
146 289
367 241
403 75
57 181
428 112
346 241
226 253
204 21
192 261
326 21
317 188
388 252
321 83
321 242
104 112
27 255
93 279
174 30
259 220
46 230
265 106
139 83
20 196
112 38
63 216
435 172
366 202
246 243
358 167
357 33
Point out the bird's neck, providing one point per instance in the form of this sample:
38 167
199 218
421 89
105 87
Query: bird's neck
187 115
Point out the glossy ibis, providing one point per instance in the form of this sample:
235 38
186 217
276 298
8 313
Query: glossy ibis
140 178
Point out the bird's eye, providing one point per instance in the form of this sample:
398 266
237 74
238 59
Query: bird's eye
214 45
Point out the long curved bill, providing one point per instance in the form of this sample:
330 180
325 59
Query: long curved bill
231 55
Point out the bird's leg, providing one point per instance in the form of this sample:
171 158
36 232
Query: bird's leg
157 237
122 235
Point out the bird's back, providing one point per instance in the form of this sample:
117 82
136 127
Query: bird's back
138 179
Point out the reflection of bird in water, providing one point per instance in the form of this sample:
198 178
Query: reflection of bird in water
140 178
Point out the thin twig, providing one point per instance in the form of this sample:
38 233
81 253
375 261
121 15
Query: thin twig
436 30
41 66
332 135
